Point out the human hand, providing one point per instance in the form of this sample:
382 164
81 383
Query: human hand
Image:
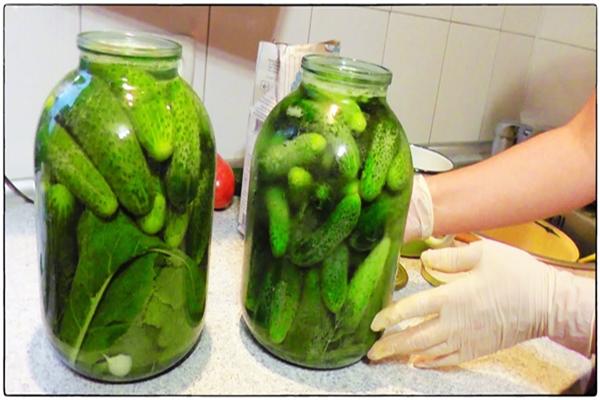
419 221
506 297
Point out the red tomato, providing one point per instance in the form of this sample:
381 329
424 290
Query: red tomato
224 184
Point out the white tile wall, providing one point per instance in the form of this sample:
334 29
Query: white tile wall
457 69
361 30
489 16
570 24
508 86
560 80
414 51
521 19
441 12
39 52
464 85
293 24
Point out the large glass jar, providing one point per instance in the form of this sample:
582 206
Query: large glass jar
330 186
124 169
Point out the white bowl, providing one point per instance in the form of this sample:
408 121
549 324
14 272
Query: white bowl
429 161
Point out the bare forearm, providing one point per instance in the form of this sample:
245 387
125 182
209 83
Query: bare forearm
546 175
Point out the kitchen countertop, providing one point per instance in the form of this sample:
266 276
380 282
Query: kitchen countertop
228 361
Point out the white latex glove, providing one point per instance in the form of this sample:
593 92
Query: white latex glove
506 297
419 221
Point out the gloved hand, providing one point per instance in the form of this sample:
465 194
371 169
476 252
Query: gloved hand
419 221
506 297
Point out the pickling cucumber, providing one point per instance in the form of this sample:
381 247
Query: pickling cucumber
322 117
279 220
197 238
286 297
73 168
383 149
312 329
301 151
154 221
102 129
60 256
139 94
334 278
401 171
371 224
323 196
267 291
153 126
300 182
183 172
176 227
362 285
317 245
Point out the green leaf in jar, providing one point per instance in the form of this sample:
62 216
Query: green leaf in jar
104 247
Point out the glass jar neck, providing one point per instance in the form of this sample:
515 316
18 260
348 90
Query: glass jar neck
345 76
147 51
160 66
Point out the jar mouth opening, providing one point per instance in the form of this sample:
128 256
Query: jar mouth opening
127 44
351 70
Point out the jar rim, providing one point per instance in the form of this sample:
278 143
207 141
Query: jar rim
128 44
352 70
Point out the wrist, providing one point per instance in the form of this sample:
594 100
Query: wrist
572 312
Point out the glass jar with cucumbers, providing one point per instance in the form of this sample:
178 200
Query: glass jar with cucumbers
330 186
124 171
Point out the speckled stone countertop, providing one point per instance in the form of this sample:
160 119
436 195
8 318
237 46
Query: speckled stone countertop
228 361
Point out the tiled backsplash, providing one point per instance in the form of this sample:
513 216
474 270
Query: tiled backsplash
458 70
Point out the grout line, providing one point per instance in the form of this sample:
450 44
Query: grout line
577 46
387 32
206 54
310 24
437 93
194 61
528 77
80 17
487 95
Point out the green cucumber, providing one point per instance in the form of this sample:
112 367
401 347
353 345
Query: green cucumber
381 153
286 298
197 239
315 247
362 286
267 292
183 172
153 126
279 220
302 151
353 115
102 129
139 94
312 329
371 224
72 167
334 278
129 83
176 227
351 187
401 170
300 182
154 221
255 269
60 255
323 196
322 117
